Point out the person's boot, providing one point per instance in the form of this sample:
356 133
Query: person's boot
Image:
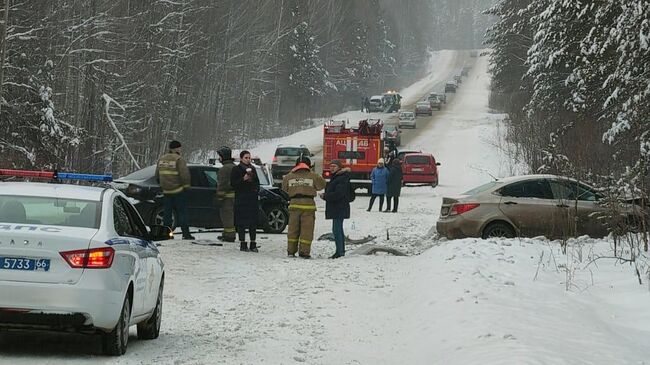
304 255
186 234
243 246
253 246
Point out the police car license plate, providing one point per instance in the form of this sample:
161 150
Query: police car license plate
21 263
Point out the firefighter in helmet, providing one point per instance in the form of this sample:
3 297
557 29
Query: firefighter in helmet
302 186
226 194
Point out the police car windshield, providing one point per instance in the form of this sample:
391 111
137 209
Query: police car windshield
49 211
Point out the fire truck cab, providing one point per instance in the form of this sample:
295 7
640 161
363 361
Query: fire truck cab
357 147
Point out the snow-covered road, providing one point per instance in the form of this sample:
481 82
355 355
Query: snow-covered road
450 302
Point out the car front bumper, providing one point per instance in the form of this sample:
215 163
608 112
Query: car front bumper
94 302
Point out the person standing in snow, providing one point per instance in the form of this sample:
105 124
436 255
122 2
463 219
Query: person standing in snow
302 185
226 194
379 178
337 203
246 183
174 177
395 178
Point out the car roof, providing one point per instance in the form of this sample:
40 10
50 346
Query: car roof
511 179
423 102
377 97
64 191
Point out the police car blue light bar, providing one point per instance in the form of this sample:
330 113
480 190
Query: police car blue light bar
83 177
56 175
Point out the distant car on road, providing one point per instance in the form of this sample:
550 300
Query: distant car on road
435 102
459 79
392 134
529 206
420 168
284 159
441 96
406 119
377 103
200 198
451 86
423 107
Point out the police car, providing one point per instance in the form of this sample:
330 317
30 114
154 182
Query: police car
77 258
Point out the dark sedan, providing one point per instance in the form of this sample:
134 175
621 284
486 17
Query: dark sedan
201 198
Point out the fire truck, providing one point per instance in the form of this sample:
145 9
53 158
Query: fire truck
357 147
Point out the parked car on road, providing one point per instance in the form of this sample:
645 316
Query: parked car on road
284 159
529 206
459 79
201 203
435 102
423 107
420 168
406 119
392 134
441 96
451 86
83 261
377 103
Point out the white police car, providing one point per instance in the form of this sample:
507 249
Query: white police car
78 258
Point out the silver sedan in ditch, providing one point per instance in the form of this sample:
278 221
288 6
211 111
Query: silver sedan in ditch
530 206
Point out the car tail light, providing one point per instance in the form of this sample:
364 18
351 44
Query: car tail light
462 208
96 258
275 159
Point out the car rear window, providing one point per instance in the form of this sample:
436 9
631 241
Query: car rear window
288 151
49 211
482 188
418 160
143 174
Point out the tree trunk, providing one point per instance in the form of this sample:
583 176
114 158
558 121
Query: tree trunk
3 51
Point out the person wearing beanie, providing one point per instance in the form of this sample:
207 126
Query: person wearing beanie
174 177
338 194
379 178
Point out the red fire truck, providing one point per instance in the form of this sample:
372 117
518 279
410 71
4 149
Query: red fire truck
357 147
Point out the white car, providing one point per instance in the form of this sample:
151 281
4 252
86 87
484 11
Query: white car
78 258
406 119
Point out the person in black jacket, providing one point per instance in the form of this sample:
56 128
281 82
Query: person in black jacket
246 184
395 178
337 203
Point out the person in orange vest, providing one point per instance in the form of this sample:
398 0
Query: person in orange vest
302 185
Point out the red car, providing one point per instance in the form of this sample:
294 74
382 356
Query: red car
420 168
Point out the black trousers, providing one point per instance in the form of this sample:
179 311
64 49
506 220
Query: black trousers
372 201
241 232
388 201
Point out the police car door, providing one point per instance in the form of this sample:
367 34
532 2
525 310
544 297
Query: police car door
152 263
137 245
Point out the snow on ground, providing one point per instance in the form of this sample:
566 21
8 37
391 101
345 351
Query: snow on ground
471 301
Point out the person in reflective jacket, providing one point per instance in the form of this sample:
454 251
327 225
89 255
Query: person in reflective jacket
174 177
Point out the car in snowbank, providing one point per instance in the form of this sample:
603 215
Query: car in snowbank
78 259
201 201
529 206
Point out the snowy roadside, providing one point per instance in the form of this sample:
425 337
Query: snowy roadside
498 301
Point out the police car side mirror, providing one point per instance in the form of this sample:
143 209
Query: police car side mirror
160 233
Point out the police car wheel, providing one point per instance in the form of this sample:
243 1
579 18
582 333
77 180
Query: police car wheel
277 219
115 342
150 329
158 217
